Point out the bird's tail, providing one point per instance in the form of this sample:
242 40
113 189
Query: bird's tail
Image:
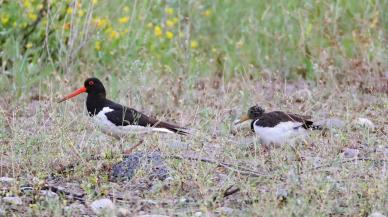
172 128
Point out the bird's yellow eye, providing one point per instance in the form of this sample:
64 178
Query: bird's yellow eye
91 83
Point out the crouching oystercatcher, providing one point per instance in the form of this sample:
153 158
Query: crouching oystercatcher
115 119
278 127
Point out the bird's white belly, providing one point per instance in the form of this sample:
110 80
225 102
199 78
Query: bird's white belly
283 133
119 131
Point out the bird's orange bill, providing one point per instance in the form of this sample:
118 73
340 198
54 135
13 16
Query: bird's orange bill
75 93
242 119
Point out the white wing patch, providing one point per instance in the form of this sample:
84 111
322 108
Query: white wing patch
283 133
118 131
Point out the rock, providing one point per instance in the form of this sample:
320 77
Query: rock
350 153
224 210
122 212
152 162
281 194
198 214
103 206
364 122
7 180
49 194
13 200
376 214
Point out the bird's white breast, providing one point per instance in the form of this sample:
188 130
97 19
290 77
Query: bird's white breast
110 128
283 133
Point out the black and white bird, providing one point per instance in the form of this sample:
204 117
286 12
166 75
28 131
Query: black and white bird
278 127
115 119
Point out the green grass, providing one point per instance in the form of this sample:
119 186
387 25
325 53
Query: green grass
325 59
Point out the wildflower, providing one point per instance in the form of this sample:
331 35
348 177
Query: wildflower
126 9
175 20
170 23
32 16
193 44
69 10
94 2
169 35
113 34
150 25
207 13
40 6
27 4
158 31
101 23
81 12
4 19
66 26
29 45
169 11
124 20
240 43
214 50
97 45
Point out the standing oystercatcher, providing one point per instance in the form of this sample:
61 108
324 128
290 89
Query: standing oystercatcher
115 119
277 127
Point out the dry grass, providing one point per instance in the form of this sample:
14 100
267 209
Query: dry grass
42 136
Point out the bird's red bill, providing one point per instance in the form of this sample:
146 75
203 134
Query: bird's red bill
75 93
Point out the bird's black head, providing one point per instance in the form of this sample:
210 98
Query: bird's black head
255 112
94 87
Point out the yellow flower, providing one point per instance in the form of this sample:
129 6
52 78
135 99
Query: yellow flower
32 16
193 44
175 20
69 10
126 9
29 45
40 6
150 25
101 23
169 35
94 2
207 13
170 23
113 34
97 45
123 20
214 50
27 4
4 19
81 12
158 31
169 11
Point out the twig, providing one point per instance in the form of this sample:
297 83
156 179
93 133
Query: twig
130 150
234 168
229 191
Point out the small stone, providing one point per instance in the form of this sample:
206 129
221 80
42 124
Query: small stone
224 210
7 180
103 206
376 214
123 212
198 214
281 194
49 194
350 153
13 200
364 122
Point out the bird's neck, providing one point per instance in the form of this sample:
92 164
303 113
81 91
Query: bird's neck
95 103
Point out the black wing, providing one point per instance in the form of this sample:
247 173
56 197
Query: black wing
272 119
124 116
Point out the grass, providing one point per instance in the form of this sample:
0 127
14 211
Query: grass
326 59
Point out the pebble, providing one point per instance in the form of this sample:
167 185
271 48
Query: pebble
7 180
103 206
224 210
13 200
152 162
350 153
376 214
364 122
